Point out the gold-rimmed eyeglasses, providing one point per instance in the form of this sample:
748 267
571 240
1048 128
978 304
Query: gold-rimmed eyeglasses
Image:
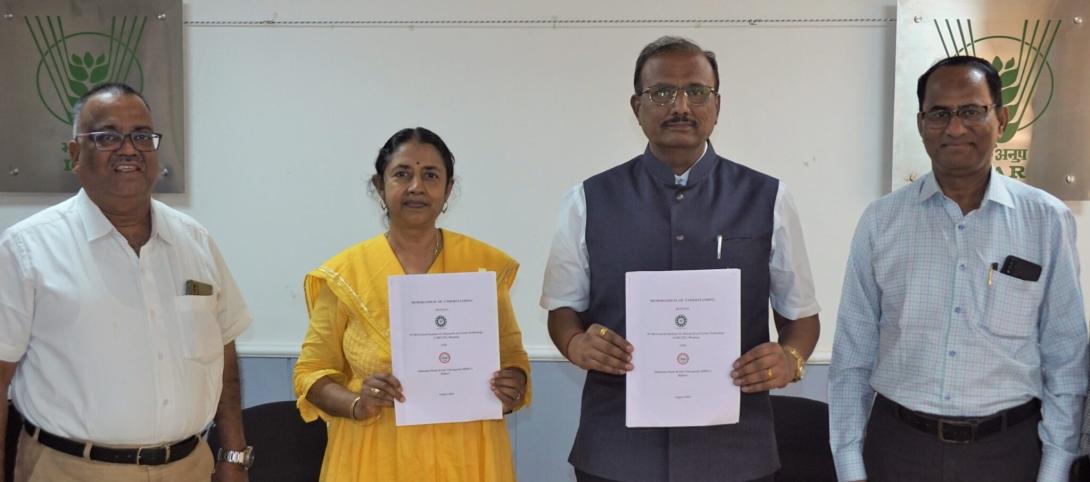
667 94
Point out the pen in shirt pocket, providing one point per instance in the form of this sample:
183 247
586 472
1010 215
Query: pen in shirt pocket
991 269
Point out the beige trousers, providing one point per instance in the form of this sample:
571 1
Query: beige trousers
35 462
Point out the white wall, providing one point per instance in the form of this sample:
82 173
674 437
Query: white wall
284 123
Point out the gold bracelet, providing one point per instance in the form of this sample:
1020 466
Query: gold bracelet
352 409
800 362
793 352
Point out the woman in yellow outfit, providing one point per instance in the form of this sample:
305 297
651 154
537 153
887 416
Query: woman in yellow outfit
343 371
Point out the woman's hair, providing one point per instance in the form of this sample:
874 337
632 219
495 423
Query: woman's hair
415 134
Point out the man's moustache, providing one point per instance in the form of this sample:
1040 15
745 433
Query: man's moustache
679 120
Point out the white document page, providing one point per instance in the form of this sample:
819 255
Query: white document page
684 326
444 338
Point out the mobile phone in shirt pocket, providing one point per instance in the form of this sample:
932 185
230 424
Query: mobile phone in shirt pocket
1013 305
201 338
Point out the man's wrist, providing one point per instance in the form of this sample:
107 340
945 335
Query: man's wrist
567 346
229 471
242 458
1055 464
798 360
849 464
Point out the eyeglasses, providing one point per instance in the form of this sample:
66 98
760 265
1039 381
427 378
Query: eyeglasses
970 115
667 94
143 141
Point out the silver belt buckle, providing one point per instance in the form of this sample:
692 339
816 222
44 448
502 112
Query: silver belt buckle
139 452
942 433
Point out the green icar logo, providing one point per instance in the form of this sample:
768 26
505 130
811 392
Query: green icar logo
72 63
1024 72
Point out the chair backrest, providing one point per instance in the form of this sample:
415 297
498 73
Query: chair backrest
1080 469
11 440
802 437
286 449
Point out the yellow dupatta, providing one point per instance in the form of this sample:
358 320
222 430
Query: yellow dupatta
358 278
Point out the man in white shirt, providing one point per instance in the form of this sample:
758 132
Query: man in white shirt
118 318
679 206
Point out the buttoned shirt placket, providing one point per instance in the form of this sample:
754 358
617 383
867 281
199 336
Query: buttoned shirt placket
149 289
962 309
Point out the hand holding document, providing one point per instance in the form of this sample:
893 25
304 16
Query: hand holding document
444 339
685 326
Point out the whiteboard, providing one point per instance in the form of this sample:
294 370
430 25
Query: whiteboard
284 123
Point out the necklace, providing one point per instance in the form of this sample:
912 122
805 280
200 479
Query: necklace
434 254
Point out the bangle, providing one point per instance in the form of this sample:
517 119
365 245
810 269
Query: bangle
352 409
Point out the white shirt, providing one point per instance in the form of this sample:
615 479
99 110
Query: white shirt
567 272
109 349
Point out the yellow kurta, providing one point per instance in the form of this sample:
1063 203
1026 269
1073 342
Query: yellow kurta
349 340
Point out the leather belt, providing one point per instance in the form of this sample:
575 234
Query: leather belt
961 430
160 455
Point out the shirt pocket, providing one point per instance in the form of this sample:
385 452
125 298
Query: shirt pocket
734 252
1012 306
202 341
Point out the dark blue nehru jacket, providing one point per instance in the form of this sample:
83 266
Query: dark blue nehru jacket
639 220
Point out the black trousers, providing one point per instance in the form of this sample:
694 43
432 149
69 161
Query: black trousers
894 452
581 476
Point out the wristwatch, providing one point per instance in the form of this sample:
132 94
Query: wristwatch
244 457
800 363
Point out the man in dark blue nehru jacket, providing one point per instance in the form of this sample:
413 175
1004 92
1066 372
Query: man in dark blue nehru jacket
670 209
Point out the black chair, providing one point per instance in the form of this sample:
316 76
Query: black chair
802 438
286 449
11 440
1080 470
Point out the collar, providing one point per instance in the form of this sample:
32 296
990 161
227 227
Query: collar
997 190
683 178
661 172
96 225
159 225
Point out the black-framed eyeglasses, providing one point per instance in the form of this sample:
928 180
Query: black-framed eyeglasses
970 115
144 141
667 94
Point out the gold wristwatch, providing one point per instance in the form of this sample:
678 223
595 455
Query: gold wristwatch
800 362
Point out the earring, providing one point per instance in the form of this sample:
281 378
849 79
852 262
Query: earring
444 207
382 205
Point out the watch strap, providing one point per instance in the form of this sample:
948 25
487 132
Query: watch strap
243 457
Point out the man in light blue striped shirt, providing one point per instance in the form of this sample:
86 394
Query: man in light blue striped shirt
961 343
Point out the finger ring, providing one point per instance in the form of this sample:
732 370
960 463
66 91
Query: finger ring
375 391
603 331
770 374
